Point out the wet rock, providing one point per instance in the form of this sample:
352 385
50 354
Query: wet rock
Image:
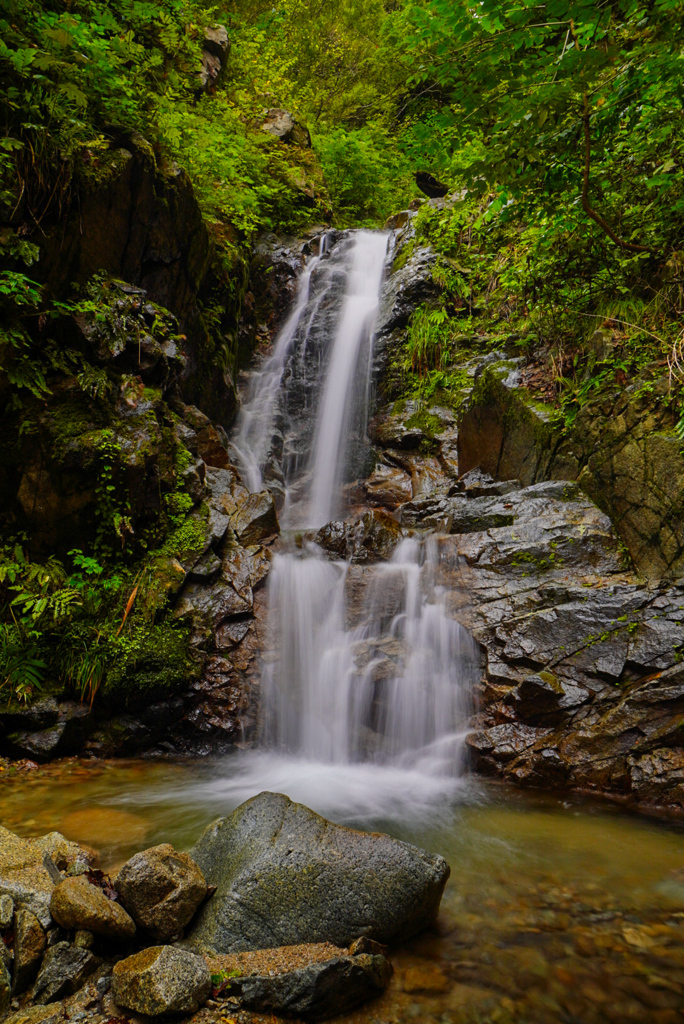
657 778
161 889
255 519
77 903
53 1014
373 537
29 945
544 699
284 875
161 980
501 434
64 970
6 911
388 486
314 982
23 875
206 569
5 989
64 737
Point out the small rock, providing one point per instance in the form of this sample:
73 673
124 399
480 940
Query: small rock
84 939
5 989
29 945
37 1015
76 903
161 980
63 971
161 889
6 911
279 123
427 978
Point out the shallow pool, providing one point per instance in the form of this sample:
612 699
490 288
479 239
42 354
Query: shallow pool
556 910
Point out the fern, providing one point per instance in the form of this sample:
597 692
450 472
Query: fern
21 667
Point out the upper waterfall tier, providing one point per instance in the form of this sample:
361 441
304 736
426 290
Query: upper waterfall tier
302 429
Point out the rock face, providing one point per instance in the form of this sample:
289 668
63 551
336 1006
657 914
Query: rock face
622 450
161 889
77 903
161 980
63 971
284 876
311 981
23 874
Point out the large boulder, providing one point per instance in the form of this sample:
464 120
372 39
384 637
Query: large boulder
285 876
313 981
161 889
78 903
23 874
161 980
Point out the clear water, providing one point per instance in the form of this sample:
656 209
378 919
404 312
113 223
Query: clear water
554 912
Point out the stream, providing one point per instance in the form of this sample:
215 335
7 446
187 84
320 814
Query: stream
556 910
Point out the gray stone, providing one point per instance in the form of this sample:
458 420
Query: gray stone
6 911
161 980
161 889
279 123
216 41
29 945
63 971
285 875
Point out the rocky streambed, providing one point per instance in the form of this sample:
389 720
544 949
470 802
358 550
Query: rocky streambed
274 909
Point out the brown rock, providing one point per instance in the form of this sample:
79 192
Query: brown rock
76 903
388 486
29 946
161 889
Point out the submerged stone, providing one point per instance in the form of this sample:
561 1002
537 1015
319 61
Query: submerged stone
285 876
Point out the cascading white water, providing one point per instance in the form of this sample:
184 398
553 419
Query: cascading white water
375 690
352 339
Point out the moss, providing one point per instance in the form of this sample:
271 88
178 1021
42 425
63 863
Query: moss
189 536
103 168
404 255
150 660
425 421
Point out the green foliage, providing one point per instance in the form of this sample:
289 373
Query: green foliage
367 178
21 667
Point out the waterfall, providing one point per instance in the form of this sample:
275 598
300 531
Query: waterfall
376 683
345 385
